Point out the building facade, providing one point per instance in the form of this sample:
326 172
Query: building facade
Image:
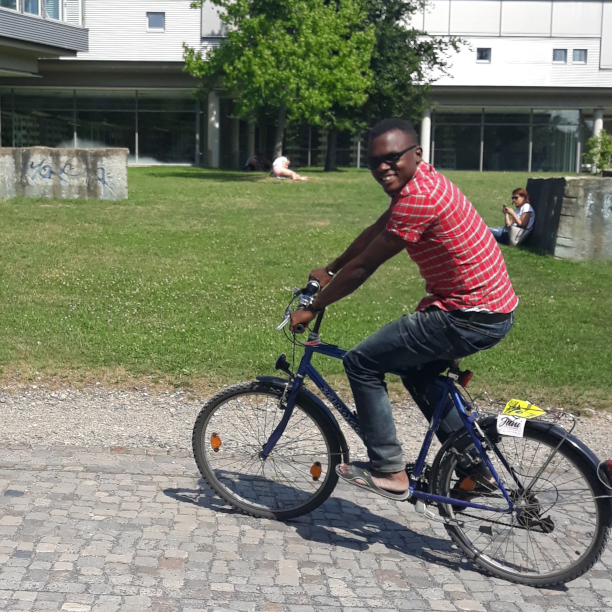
531 82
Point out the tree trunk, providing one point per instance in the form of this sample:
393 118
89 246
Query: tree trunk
280 131
330 157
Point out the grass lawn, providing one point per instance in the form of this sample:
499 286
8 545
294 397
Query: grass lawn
186 280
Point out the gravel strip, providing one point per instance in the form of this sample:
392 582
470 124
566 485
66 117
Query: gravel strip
162 421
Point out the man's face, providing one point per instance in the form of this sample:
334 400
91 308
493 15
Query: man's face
391 172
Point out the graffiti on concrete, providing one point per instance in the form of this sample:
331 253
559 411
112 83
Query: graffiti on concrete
66 171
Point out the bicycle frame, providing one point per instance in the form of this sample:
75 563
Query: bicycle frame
467 413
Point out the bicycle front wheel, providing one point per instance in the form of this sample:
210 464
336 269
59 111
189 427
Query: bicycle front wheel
298 476
561 522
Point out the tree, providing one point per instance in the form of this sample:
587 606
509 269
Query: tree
599 151
300 57
404 63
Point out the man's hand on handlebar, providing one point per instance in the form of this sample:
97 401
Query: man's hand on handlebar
322 275
305 317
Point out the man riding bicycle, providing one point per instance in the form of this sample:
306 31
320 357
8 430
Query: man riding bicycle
469 307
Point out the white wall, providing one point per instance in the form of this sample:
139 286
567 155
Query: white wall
527 61
118 30
522 35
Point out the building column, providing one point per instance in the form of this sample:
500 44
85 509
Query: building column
235 142
250 138
597 121
426 134
213 136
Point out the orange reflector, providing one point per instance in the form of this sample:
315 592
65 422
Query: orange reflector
315 470
215 442
467 484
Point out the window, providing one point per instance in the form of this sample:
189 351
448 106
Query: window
10 4
30 6
483 55
156 22
580 56
560 56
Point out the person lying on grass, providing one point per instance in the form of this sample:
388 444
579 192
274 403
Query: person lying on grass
519 222
280 169
469 307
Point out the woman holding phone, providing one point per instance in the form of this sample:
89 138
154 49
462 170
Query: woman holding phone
519 220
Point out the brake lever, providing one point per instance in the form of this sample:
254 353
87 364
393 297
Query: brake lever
285 320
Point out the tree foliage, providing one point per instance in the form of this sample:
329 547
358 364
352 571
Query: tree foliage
599 151
305 56
405 60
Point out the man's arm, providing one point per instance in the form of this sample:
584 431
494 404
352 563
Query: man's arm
353 275
360 268
357 247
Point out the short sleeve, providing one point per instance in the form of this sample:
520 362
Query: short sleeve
411 217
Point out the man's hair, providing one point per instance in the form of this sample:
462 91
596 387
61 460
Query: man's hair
388 125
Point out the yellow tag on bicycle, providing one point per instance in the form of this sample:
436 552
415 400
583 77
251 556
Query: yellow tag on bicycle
522 409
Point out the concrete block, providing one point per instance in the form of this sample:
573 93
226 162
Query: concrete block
44 172
573 216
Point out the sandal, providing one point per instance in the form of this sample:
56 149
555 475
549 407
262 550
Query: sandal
362 472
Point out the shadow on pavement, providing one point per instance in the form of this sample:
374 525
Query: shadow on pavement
340 522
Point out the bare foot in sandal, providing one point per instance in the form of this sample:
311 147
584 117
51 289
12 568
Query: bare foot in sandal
395 483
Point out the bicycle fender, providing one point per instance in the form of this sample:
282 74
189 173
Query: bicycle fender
489 426
281 383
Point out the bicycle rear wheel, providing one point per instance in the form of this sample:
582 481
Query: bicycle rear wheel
561 528
298 476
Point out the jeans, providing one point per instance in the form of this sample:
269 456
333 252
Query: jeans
512 235
422 345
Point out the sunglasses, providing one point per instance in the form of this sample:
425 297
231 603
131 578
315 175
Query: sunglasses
516 197
391 159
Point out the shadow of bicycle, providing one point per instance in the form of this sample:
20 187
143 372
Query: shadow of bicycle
342 523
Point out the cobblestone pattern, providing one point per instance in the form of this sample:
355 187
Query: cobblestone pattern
94 530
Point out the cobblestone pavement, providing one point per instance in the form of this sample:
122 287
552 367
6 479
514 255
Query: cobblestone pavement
99 530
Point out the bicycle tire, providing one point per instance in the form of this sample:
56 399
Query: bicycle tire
239 490
534 529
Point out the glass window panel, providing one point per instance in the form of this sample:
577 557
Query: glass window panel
483 54
30 6
165 101
457 118
11 4
53 9
556 117
6 119
508 117
117 99
166 137
43 128
457 147
104 128
554 148
506 147
156 21
580 56
44 99
560 55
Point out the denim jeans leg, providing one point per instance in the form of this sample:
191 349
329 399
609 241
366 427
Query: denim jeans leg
431 337
500 234
405 343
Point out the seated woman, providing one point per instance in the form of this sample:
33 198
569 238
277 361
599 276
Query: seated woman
519 222
280 169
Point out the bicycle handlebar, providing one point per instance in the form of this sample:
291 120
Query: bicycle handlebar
307 294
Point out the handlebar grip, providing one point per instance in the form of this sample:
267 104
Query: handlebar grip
300 328
311 288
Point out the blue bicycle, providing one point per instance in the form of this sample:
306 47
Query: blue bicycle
270 449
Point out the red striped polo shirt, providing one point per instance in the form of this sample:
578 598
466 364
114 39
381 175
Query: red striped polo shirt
458 257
